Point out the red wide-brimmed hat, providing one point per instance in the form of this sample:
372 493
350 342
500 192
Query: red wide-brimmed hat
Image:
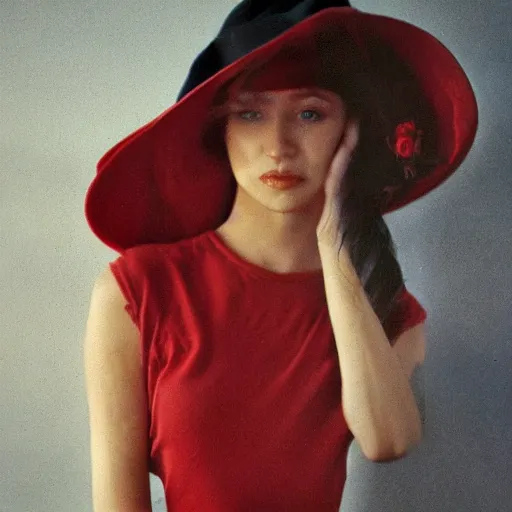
162 184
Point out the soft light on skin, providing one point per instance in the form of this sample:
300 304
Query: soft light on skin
296 129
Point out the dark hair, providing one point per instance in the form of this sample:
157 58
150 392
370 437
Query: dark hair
381 91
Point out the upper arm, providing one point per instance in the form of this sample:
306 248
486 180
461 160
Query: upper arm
410 348
117 403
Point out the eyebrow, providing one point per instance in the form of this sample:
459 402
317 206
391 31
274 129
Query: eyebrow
313 93
265 97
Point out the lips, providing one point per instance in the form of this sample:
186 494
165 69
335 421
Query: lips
281 180
280 175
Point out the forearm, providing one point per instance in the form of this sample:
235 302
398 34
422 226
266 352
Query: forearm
378 402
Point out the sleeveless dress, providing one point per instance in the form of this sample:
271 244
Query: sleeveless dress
242 378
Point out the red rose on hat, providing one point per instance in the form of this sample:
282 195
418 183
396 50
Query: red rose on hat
404 146
405 128
407 140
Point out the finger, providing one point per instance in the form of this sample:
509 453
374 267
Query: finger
351 137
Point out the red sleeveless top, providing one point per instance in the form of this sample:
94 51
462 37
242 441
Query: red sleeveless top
242 378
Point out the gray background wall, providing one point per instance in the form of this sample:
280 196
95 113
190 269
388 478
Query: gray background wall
78 76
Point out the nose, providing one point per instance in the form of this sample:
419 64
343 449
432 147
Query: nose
280 140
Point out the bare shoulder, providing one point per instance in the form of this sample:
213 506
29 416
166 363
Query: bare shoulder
117 402
111 336
107 312
106 287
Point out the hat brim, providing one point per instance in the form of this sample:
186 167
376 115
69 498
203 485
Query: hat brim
159 185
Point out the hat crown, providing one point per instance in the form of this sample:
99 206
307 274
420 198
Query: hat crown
249 25
249 10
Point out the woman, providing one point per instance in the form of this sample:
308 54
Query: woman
256 320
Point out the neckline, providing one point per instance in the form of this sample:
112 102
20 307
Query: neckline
234 257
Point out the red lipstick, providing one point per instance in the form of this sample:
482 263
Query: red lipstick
281 180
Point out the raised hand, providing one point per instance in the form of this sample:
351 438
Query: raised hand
329 229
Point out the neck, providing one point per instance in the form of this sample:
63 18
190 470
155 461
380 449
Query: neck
280 242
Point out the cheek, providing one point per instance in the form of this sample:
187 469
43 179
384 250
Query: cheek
231 140
335 138
238 146
324 145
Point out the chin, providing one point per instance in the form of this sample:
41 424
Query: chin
302 205
296 203
293 201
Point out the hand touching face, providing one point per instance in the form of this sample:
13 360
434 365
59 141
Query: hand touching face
296 130
330 228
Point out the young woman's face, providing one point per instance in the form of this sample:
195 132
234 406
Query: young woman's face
295 130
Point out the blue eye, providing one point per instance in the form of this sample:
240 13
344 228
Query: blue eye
316 116
249 115
255 115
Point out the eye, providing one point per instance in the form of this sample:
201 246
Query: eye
249 115
311 115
